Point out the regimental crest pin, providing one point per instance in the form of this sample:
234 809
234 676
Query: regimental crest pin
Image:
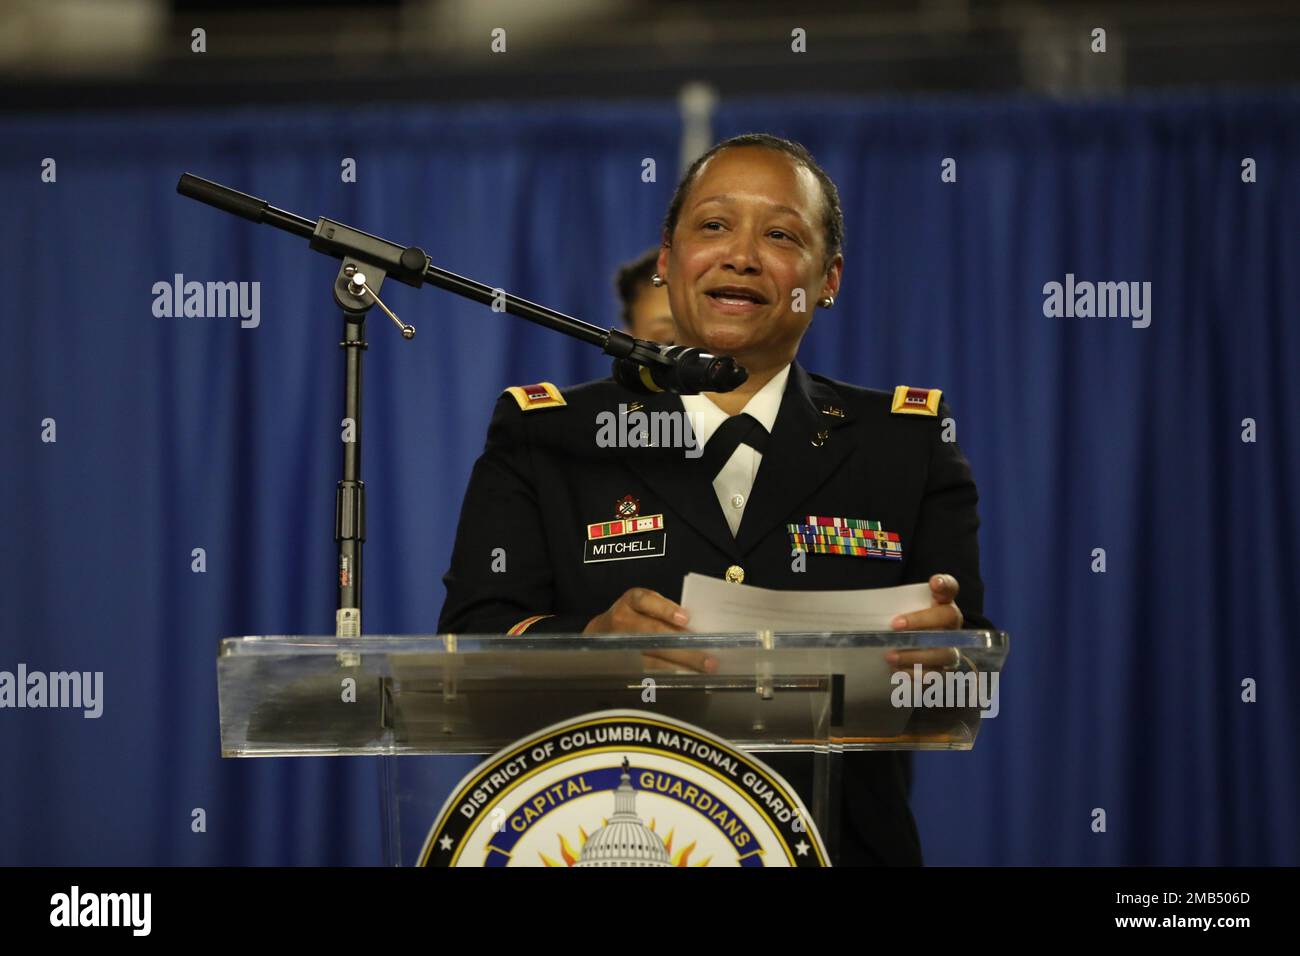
627 507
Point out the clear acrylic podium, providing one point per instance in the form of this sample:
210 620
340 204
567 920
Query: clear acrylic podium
434 704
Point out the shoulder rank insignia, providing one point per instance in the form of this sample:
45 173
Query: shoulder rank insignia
916 401
541 395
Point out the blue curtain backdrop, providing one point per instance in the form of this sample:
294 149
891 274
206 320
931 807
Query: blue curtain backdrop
1124 688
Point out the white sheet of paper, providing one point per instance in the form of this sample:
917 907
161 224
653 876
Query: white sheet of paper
716 606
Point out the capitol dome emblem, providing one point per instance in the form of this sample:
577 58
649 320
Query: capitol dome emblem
618 789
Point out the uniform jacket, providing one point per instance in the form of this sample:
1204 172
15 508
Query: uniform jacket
836 450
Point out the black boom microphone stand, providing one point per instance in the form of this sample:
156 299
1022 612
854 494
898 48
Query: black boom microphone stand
367 261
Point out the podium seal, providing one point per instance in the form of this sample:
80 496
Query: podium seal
623 788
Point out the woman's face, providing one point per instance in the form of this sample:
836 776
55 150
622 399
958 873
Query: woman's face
748 236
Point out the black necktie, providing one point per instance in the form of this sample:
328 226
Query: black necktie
731 434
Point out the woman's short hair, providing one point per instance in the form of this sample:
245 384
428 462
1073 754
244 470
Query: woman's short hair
832 214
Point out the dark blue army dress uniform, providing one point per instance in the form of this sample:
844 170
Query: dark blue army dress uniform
545 489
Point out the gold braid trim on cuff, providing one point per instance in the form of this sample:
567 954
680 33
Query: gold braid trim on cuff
526 623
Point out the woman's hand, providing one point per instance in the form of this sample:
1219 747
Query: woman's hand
642 611
943 614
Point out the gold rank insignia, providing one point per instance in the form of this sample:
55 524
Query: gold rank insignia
532 397
916 401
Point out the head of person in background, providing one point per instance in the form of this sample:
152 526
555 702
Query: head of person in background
646 313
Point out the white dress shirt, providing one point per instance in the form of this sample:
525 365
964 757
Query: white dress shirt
736 479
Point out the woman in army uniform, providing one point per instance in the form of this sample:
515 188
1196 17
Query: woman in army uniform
751 247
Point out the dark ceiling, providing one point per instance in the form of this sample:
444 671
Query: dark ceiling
425 50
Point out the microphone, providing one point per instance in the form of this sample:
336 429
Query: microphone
681 370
